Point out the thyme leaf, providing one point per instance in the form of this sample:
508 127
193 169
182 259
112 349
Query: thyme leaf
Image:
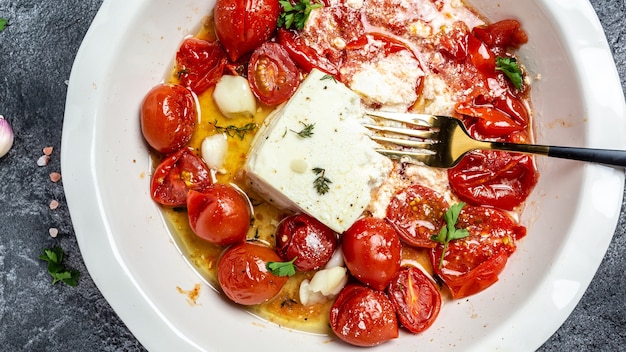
321 183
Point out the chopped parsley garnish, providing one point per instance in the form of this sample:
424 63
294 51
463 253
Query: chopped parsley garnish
233 131
450 232
295 16
282 268
321 183
3 23
307 131
56 269
510 68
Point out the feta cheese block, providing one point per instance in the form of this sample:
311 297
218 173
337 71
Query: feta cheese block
290 168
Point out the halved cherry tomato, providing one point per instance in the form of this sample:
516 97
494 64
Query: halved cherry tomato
273 76
168 117
304 56
305 238
243 25
498 179
362 316
473 263
200 64
415 298
371 250
417 213
243 275
220 214
176 174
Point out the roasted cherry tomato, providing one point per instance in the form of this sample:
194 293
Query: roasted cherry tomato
417 213
243 275
502 34
243 25
494 117
303 55
499 179
473 263
415 298
168 117
176 174
305 238
273 76
488 121
200 64
481 56
220 214
371 250
362 316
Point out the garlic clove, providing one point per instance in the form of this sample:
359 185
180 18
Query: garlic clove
308 296
233 97
213 150
6 136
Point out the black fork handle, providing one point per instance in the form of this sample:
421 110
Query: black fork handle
601 156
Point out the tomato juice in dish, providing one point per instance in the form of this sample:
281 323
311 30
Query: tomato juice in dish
275 192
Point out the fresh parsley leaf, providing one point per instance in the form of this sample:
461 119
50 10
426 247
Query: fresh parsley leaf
510 68
321 183
450 232
295 15
282 268
56 269
3 23
307 131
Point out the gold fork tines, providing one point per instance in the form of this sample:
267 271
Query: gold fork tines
442 141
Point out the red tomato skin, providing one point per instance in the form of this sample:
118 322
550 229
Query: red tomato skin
473 263
363 317
304 56
243 275
200 64
415 298
502 34
176 174
305 238
243 25
372 251
498 179
272 75
417 213
168 117
219 214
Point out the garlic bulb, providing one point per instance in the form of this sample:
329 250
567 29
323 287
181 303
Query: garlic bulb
6 136
233 96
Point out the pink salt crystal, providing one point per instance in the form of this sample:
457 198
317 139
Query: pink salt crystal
55 176
48 150
54 204
43 160
53 231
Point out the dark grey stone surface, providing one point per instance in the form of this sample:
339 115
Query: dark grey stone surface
36 55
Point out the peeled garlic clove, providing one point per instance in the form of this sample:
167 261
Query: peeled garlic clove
213 151
233 96
308 296
6 136
329 281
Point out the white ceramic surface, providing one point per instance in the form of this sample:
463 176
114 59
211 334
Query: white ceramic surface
571 215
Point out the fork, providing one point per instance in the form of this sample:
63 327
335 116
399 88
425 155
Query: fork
442 141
